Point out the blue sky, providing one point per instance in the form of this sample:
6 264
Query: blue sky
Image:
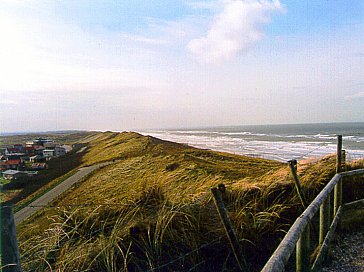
133 65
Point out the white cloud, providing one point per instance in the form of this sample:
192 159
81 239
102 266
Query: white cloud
210 5
145 40
356 96
234 30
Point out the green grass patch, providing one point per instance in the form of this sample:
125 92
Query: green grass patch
3 181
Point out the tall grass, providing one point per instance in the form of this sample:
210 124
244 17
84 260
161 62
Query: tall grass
158 213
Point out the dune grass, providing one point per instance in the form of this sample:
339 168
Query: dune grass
153 210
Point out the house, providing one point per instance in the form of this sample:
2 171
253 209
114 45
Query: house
14 174
67 148
37 158
17 156
55 152
9 165
42 141
29 150
19 147
49 145
29 144
59 151
39 166
48 153
38 149
11 150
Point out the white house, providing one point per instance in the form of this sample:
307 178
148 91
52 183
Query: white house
48 153
68 148
55 152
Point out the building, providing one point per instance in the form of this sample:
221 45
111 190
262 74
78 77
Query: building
39 166
48 153
42 141
9 165
11 150
14 174
59 151
49 145
29 150
67 148
16 156
19 147
37 158
38 150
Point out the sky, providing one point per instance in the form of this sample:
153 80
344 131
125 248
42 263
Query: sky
144 64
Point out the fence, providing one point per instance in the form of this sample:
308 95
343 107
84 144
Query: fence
297 237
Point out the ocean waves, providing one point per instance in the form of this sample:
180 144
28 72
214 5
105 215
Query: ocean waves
282 146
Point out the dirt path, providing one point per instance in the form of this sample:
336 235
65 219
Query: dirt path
37 204
347 253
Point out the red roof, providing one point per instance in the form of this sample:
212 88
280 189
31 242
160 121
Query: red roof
10 162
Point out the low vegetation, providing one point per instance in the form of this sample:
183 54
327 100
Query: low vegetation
152 209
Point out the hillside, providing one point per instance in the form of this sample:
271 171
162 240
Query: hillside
153 205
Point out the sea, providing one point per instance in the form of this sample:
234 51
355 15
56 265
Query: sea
277 142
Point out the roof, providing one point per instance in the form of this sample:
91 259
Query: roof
11 172
10 162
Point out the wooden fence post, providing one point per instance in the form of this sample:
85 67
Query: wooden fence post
10 260
230 231
293 167
303 251
338 186
325 219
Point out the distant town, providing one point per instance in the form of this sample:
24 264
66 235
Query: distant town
21 161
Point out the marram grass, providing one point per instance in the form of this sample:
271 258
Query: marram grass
159 213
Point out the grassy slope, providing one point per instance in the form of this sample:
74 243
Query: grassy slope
164 208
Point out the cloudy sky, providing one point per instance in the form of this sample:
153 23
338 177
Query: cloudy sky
138 64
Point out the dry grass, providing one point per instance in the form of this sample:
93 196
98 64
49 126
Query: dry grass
160 208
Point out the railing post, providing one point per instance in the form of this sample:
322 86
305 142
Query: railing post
338 186
230 231
343 160
10 260
293 167
325 219
303 251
